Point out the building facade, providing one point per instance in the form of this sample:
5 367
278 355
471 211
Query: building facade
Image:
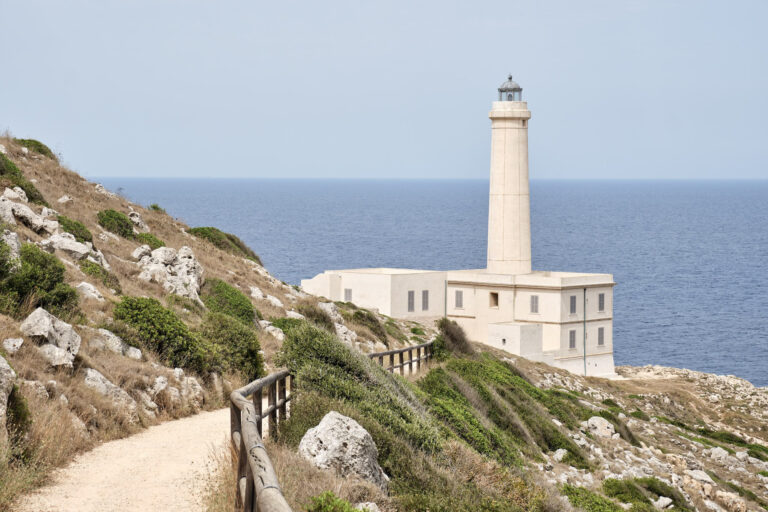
564 319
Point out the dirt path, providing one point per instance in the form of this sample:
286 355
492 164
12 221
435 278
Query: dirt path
162 468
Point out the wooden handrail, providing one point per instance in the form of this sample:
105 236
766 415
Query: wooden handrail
256 487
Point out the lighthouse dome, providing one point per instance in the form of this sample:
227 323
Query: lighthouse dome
510 85
510 91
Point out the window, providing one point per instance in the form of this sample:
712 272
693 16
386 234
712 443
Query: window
601 302
534 303
503 341
573 304
347 294
411 301
601 335
572 339
424 300
493 299
524 123
459 299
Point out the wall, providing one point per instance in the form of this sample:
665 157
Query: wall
434 282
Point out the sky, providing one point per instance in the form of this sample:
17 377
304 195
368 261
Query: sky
652 89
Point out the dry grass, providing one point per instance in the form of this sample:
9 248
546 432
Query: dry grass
299 480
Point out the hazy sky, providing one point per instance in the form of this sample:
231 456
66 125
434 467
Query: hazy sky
190 88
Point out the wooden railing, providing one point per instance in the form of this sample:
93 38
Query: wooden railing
256 486
257 489
423 355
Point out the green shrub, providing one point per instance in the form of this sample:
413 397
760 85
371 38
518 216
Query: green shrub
9 171
418 331
624 490
371 321
37 147
151 240
76 228
637 413
286 324
107 278
453 337
39 282
589 501
156 208
329 502
225 241
160 330
317 316
237 345
221 297
658 488
762 473
116 222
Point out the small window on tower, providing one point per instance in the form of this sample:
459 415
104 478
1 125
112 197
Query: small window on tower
524 123
459 299
411 301
601 335
572 339
493 300
425 300
573 304
601 302
347 294
534 303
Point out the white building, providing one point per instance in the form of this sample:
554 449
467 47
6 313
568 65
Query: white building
562 318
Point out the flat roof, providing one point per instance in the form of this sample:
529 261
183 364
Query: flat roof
385 270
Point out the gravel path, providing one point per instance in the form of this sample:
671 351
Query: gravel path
163 468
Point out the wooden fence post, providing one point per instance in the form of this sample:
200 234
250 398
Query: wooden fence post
281 396
392 363
410 361
418 358
257 398
402 366
381 361
272 394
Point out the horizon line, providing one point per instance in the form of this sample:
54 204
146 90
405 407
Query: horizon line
220 178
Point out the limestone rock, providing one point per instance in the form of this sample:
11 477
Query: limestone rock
101 190
46 328
342 444
274 301
718 453
368 506
600 426
179 272
35 387
12 345
294 314
560 454
27 216
275 332
700 476
345 334
3 150
56 356
332 310
138 222
15 194
65 199
102 385
7 379
66 243
141 251
6 211
662 503
88 291
256 292
11 239
49 212
106 339
731 501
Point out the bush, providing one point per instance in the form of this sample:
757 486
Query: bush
160 330
37 147
107 279
76 228
624 490
286 324
588 500
116 222
637 413
156 208
317 316
453 337
236 345
369 320
39 282
329 502
226 241
9 171
418 331
151 240
221 297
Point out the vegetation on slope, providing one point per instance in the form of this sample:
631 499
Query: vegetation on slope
76 228
38 147
149 239
116 222
13 177
236 346
221 297
225 241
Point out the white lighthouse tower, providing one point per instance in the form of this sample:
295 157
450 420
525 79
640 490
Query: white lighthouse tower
509 207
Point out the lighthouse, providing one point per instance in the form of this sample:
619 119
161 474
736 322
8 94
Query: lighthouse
509 205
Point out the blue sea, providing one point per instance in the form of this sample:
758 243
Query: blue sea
690 257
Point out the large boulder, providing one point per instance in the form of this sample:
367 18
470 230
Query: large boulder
600 427
332 310
7 380
342 444
11 239
105 339
66 243
179 272
15 194
28 217
138 222
12 345
60 342
88 291
118 396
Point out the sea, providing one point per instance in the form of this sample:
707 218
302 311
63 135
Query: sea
690 258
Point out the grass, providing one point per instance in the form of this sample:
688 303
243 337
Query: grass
225 241
741 491
156 208
637 413
641 492
38 147
370 321
95 270
589 501
763 473
755 450
149 239
116 222
14 177
316 316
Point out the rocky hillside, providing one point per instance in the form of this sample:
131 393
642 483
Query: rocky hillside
114 316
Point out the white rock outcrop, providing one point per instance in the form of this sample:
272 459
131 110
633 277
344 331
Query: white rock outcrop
60 342
272 330
332 310
138 222
11 239
88 291
65 199
12 345
66 243
178 272
600 426
294 314
7 380
122 400
256 292
106 339
15 194
101 190
11 211
274 301
342 444
345 335
141 251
